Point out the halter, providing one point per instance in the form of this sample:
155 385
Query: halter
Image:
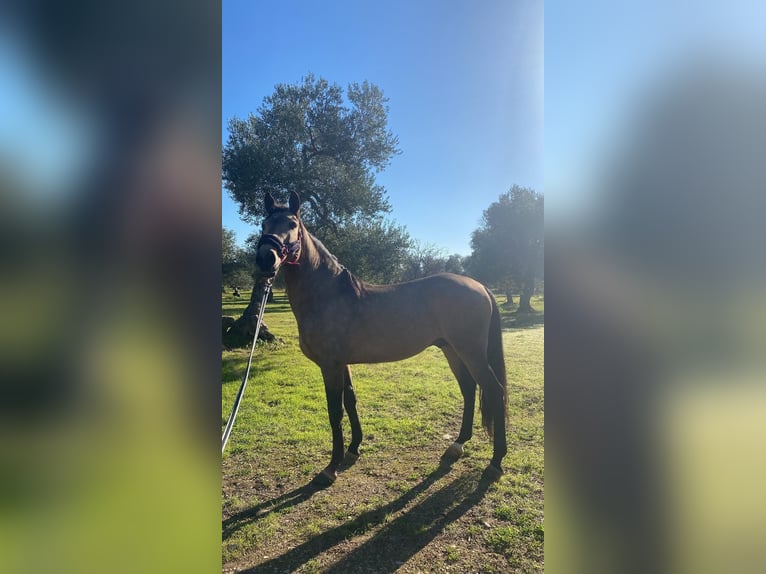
288 252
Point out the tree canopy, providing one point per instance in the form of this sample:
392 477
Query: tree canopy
237 265
374 249
508 245
229 246
315 139
427 259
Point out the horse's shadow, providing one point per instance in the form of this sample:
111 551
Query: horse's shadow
393 544
255 513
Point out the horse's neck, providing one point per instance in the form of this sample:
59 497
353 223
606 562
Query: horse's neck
315 273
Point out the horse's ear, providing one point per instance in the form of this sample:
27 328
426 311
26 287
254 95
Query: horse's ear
295 202
269 203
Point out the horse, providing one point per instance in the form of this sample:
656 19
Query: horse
343 320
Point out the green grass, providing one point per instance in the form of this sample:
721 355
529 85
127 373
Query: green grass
397 508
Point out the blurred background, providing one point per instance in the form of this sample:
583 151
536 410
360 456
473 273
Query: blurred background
655 180
109 338
109 291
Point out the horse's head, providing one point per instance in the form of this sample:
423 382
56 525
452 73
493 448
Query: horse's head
280 240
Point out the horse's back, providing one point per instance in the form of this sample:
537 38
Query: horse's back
392 322
458 301
447 292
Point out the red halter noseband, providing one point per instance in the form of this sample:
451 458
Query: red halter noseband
288 252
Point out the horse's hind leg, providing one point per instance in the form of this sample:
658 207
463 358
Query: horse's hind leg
493 394
468 389
349 401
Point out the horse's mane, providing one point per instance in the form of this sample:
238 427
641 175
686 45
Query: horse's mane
349 279
325 254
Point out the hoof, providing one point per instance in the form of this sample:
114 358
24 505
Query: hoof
350 458
455 451
492 473
324 478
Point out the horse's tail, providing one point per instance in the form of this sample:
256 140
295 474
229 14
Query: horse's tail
497 364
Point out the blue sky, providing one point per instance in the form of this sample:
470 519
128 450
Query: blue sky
464 80
602 59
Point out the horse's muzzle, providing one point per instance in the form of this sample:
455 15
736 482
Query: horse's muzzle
272 252
267 262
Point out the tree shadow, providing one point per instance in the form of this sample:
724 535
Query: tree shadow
233 366
398 540
278 307
518 320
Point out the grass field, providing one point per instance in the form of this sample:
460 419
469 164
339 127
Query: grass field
397 509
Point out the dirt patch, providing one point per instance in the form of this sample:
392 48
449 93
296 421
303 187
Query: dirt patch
391 514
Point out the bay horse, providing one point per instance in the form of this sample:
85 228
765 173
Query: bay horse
343 320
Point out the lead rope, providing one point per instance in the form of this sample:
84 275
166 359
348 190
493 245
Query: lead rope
233 415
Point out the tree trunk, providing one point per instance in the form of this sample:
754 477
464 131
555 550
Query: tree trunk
509 298
239 333
524 304
527 290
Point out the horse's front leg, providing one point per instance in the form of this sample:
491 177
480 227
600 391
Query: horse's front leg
349 401
334 380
